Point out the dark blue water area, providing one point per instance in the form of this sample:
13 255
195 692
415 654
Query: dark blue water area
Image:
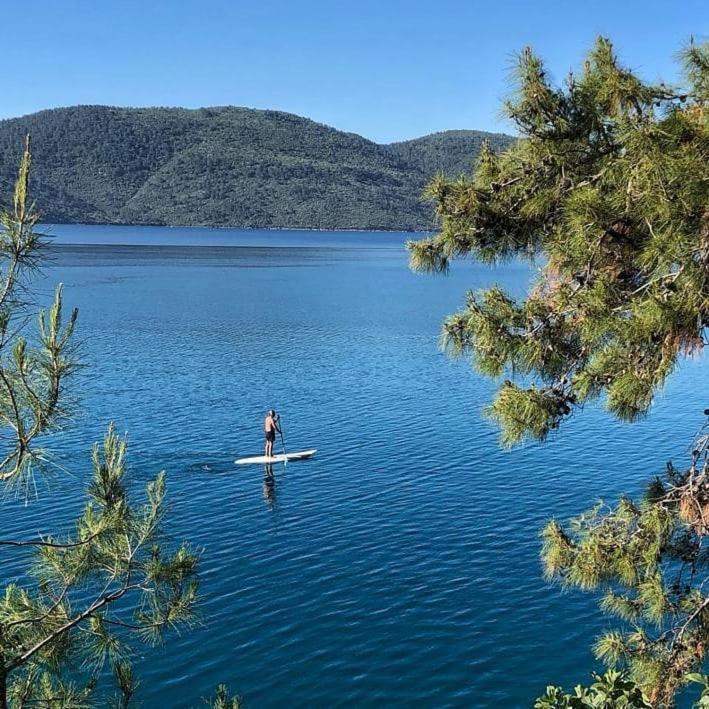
400 565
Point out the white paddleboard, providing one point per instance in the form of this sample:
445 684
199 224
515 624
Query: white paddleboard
264 460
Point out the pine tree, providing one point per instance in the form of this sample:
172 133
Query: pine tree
90 591
648 563
607 190
608 185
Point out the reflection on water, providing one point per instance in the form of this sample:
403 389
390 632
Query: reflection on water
269 487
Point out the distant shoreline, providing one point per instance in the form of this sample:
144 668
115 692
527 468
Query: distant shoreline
64 234
353 230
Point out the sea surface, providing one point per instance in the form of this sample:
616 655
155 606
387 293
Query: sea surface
399 566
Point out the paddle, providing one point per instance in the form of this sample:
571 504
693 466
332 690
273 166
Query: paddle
283 443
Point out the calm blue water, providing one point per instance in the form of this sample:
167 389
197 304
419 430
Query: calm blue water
400 565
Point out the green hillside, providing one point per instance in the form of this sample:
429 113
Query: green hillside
226 167
451 152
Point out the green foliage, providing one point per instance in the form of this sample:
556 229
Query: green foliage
608 192
608 189
224 700
613 690
32 376
95 588
647 560
92 592
228 167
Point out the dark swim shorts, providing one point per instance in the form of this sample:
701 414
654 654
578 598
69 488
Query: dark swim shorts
270 436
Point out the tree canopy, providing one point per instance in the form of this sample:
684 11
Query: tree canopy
607 190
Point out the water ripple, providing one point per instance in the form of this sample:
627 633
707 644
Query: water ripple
398 566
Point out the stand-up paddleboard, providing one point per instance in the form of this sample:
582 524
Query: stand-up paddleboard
281 458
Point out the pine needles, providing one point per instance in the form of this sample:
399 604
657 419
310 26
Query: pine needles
609 185
649 561
110 582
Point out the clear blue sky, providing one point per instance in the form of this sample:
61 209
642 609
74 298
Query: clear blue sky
387 69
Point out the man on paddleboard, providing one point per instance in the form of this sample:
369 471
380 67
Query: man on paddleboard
270 429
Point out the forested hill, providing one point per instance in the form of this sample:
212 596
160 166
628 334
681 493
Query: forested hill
226 167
